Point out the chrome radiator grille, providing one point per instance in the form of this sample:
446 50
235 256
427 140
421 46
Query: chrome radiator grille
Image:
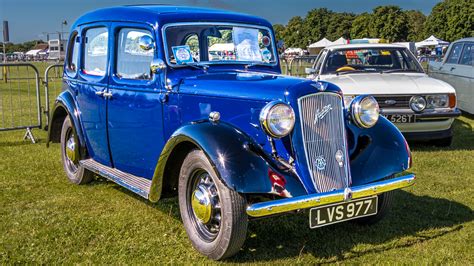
324 140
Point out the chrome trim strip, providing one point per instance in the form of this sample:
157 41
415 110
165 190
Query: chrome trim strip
165 43
262 209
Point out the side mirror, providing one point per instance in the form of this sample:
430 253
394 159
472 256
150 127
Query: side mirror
146 43
157 66
310 71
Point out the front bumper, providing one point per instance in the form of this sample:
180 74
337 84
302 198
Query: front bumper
267 208
426 121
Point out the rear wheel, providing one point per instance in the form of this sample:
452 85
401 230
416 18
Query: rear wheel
70 155
213 215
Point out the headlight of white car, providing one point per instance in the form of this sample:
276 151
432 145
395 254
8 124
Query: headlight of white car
365 111
437 101
277 119
347 100
417 103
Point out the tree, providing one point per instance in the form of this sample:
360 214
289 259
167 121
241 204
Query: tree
293 31
279 31
390 23
360 26
315 25
340 26
415 19
451 20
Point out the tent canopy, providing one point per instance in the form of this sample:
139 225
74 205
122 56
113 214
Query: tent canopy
321 43
431 41
221 47
339 41
33 52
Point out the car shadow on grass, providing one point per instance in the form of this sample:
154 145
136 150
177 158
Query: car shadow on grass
463 139
412 220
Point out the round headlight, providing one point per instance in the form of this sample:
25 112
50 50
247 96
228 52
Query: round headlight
277 119
365 111
417 103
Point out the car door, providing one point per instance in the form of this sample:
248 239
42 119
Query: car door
135 115
93 80
450 64
464 74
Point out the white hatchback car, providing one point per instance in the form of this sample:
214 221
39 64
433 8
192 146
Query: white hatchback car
422 108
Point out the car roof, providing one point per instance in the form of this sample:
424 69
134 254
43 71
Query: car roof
163 14
364 45
469 39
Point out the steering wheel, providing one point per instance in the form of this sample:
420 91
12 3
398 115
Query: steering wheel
345 68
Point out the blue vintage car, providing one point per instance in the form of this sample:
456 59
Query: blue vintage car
191 102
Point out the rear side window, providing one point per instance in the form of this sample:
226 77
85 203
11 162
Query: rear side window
467 56
133 62
73 53
454 54
95 51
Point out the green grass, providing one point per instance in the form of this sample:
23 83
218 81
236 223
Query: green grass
46 219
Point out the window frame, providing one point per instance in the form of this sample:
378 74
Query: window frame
70 51
451 51
83 50
462 53
117 32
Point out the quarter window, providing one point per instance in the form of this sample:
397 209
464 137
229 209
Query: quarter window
95 51
454 54
467 57
73 53
133 62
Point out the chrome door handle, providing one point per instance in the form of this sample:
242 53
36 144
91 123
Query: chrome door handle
100 93
107 95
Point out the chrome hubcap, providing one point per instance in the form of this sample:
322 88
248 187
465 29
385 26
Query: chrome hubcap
205 205
71 149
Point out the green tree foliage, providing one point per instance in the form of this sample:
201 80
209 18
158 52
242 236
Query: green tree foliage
294 32
279 31
416 21
20 47
389 22
360 26
451 20
340 26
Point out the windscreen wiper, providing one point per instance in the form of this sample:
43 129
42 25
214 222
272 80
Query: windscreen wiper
197 65
399 70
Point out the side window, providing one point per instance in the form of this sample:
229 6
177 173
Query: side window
95 51
73 53
467 56
133 62
192 41
454 54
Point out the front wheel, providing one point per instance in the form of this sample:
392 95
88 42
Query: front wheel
213 215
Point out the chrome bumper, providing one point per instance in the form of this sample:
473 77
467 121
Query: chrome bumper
308 201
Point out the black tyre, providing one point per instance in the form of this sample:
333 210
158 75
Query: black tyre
213 215
383 206
70 155
446 142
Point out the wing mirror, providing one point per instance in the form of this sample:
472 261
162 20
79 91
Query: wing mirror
146 43
157 66
310 71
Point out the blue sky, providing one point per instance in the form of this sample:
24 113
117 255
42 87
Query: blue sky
30 18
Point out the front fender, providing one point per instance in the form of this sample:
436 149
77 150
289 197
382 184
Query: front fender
65 103
378 152
238 161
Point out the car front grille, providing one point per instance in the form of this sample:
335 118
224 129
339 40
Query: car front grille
324 137
394 101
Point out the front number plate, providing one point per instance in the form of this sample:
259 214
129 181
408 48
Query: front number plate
339 212
402 119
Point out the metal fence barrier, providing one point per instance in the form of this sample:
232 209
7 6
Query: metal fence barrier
20 99
295 66
52 87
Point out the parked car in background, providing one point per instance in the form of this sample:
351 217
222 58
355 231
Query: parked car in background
457 69
230 136
423 108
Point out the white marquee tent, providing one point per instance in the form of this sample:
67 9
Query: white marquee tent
431 41
316 47
339 41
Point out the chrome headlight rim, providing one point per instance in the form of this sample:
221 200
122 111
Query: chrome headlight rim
357 111
265 123
417 98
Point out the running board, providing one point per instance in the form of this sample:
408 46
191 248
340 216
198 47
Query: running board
136 184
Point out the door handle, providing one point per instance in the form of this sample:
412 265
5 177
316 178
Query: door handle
107 95
99 93
453 68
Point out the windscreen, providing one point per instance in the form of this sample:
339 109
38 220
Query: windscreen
370 60
221 43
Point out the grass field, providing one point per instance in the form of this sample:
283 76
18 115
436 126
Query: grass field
45 219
